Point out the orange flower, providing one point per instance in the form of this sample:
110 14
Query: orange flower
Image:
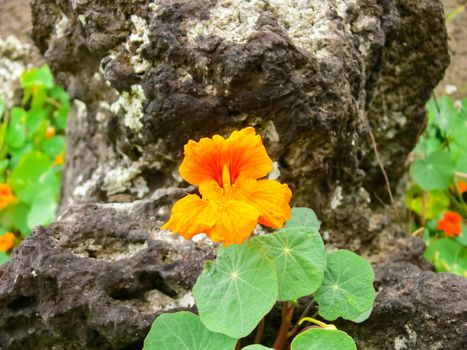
233 200
59 159
7 241
6 196
450 224
50 132
462 186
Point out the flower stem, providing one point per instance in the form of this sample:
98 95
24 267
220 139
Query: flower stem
281 340
304 313
259 332
238 346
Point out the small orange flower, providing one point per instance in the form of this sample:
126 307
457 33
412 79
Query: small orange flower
233 200
462 186
6 196
450 224
59 159
7 241
50 132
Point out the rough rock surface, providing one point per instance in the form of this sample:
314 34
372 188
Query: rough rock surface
414 309
314 77
97 278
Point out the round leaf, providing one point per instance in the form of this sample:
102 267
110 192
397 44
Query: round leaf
42 212
298 253
237 290
323 339
184 331
256 347
435 172
16 132
4 258
303 217
54 146
347 289
448 256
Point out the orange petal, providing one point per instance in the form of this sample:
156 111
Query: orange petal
191 215
246 156
235 221
270 197
7 241
204 160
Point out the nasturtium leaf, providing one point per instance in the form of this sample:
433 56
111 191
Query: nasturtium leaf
2 107
237 290
54 146
4 258
184 331
347 289
435 172
298 253
16 132
42 212
462 239
323 339
256 347
428 204
303 217
20 218
38 77
427 145
34 119
448 256
33 177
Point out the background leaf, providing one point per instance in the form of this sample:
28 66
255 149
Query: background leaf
448 256
184 331
347 289
237 290
435 172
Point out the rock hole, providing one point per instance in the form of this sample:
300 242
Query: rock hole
22 303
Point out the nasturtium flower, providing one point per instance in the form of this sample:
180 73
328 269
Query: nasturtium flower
6 196
233 201
59 160
450 223
462 186
7 242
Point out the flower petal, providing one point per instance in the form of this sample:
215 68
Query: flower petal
235 221
204 160
270 197
246 156
191 215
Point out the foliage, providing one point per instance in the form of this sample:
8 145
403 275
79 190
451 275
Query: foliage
32 146
236 291
436 196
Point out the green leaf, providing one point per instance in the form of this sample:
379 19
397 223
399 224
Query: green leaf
256 347
435 202
427 145
34 119
236 291
323 339
303 217
435 172
4 258
2 108
37 77
54 146
16 132
462 239
298 253
184 331
33 177
42 212
448 256
347 289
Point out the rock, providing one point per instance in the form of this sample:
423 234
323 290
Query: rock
414 309
97 279
313 77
